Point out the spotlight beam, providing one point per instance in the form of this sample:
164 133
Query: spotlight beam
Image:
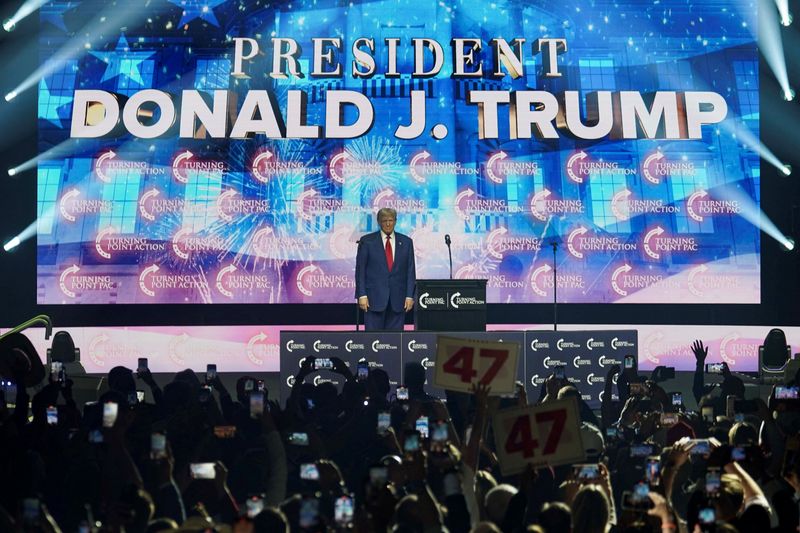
59 151
783 9
23 236
770 43
96 32
753 214
742 133
28 7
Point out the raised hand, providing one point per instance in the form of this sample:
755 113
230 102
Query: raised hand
660 507
481 392
339 367
307 365
700 352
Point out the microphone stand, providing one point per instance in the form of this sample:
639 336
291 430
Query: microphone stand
450 255
358 309
554 244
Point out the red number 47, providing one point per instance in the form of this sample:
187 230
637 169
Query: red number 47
461 363
520 438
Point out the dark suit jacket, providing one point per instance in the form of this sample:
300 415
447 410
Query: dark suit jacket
373 279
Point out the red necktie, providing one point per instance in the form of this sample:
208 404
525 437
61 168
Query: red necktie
389 259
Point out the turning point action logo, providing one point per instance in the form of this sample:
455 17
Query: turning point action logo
311 277
107 165
184 165
624 278
624 207
420 167
150 281
267 243
578 242
734 347
106 242
580 166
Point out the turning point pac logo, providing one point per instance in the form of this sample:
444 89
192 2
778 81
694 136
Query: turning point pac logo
230 280
656 167
699 205
71 205
185 242
71 283
656 240
228 204
499 166
542 206
343 165
499 241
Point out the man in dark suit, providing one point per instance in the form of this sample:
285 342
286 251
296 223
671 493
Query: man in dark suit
385 275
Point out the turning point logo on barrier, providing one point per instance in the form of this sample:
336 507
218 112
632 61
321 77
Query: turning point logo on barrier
259 349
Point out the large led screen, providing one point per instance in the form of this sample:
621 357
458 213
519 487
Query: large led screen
234 151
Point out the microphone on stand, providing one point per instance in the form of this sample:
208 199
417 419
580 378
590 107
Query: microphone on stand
449 253
358 309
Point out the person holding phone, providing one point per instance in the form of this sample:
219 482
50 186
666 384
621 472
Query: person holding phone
730 386
143 373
